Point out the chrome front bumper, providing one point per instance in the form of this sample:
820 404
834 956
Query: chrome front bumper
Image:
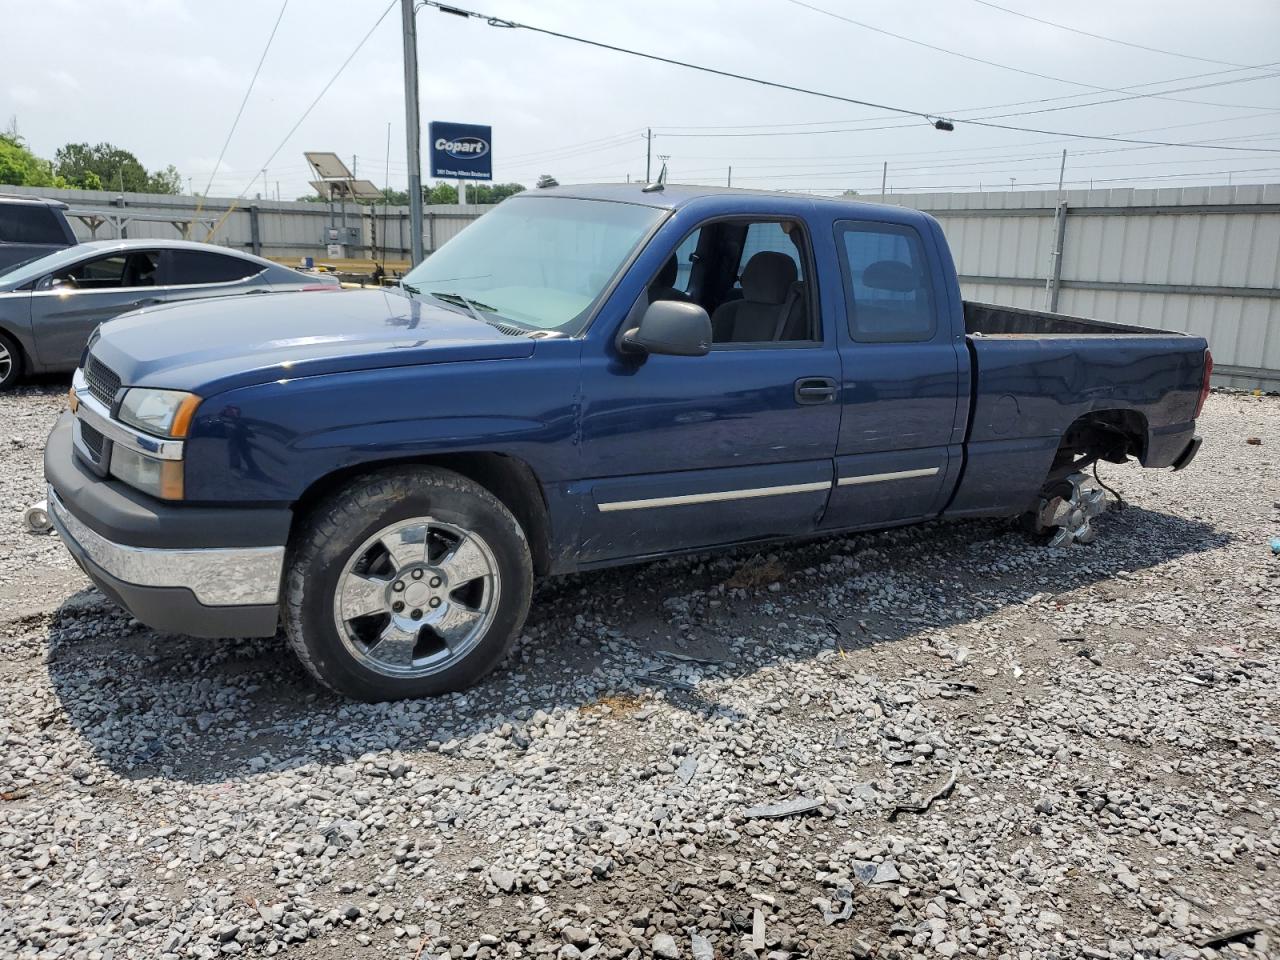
217 576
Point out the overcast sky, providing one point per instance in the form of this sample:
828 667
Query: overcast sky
164 78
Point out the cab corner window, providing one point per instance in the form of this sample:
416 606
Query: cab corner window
751 276
888 290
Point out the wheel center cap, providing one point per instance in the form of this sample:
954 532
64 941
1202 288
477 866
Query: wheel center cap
417 593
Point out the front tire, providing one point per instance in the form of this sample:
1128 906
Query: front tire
411 582
10 361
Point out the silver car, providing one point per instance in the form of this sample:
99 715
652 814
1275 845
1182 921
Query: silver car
49 306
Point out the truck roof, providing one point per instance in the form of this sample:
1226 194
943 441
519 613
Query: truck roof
675 195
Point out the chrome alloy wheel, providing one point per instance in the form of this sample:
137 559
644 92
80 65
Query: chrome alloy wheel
416 597
6 362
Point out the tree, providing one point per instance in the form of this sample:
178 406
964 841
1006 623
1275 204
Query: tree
106 166
441 193
168 180
22 168
492 192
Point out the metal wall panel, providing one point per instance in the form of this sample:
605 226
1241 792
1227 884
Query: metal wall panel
1149 243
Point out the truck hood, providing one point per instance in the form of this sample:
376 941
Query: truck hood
208 346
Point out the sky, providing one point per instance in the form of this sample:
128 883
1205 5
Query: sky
165 78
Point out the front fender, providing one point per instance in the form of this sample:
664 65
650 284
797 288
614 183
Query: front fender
270 442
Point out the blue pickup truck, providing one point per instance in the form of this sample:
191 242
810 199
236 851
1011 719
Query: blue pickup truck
583 377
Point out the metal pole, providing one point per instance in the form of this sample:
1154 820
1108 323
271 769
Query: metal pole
884 179
255 234
412 135
1053 281
648 153
386 190
729 183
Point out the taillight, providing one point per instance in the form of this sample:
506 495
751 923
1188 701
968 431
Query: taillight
1204 387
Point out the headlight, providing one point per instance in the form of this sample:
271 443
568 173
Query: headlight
160 478
162 413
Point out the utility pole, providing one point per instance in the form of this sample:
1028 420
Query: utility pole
648 153
729 182
412 136
884 179
264 183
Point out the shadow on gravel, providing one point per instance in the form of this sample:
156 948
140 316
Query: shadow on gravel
202 711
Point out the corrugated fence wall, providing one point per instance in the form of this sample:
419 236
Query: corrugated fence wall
1204 260
282 229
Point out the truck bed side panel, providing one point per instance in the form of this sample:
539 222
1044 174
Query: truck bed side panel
1030 389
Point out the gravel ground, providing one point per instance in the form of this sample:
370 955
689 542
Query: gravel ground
712 757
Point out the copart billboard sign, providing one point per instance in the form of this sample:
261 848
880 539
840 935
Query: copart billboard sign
461 151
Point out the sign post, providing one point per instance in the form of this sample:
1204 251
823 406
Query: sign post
461 151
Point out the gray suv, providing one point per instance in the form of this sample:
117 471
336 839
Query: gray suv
31 227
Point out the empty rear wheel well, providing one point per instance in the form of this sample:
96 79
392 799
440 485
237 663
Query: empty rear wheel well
508 478
1111 435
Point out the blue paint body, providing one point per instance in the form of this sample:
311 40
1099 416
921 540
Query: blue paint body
297 388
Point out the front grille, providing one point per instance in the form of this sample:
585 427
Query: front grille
102 380
92 440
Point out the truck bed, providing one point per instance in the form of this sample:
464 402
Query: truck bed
1033 374
990 320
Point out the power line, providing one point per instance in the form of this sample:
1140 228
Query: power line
944 123
513 25
953 112
252 80
993 63
626 134
1099 36
323 90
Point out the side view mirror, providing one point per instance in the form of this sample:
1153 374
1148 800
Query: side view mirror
670 327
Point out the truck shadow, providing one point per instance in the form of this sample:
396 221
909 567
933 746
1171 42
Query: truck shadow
153 706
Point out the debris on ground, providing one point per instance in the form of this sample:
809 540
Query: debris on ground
36 517
923 806
788 808
1216 941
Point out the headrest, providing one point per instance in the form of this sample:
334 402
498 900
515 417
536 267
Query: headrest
767 277
890 275
667 275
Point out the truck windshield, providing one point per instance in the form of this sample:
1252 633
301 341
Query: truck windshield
540 262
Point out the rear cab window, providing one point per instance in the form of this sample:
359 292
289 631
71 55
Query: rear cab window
888 285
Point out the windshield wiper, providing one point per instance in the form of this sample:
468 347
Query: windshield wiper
473 306
409 286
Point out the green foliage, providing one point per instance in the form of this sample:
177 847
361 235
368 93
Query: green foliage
20 167
440 193
167 180
106 166
491 192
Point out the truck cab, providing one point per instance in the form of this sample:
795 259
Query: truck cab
584 377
